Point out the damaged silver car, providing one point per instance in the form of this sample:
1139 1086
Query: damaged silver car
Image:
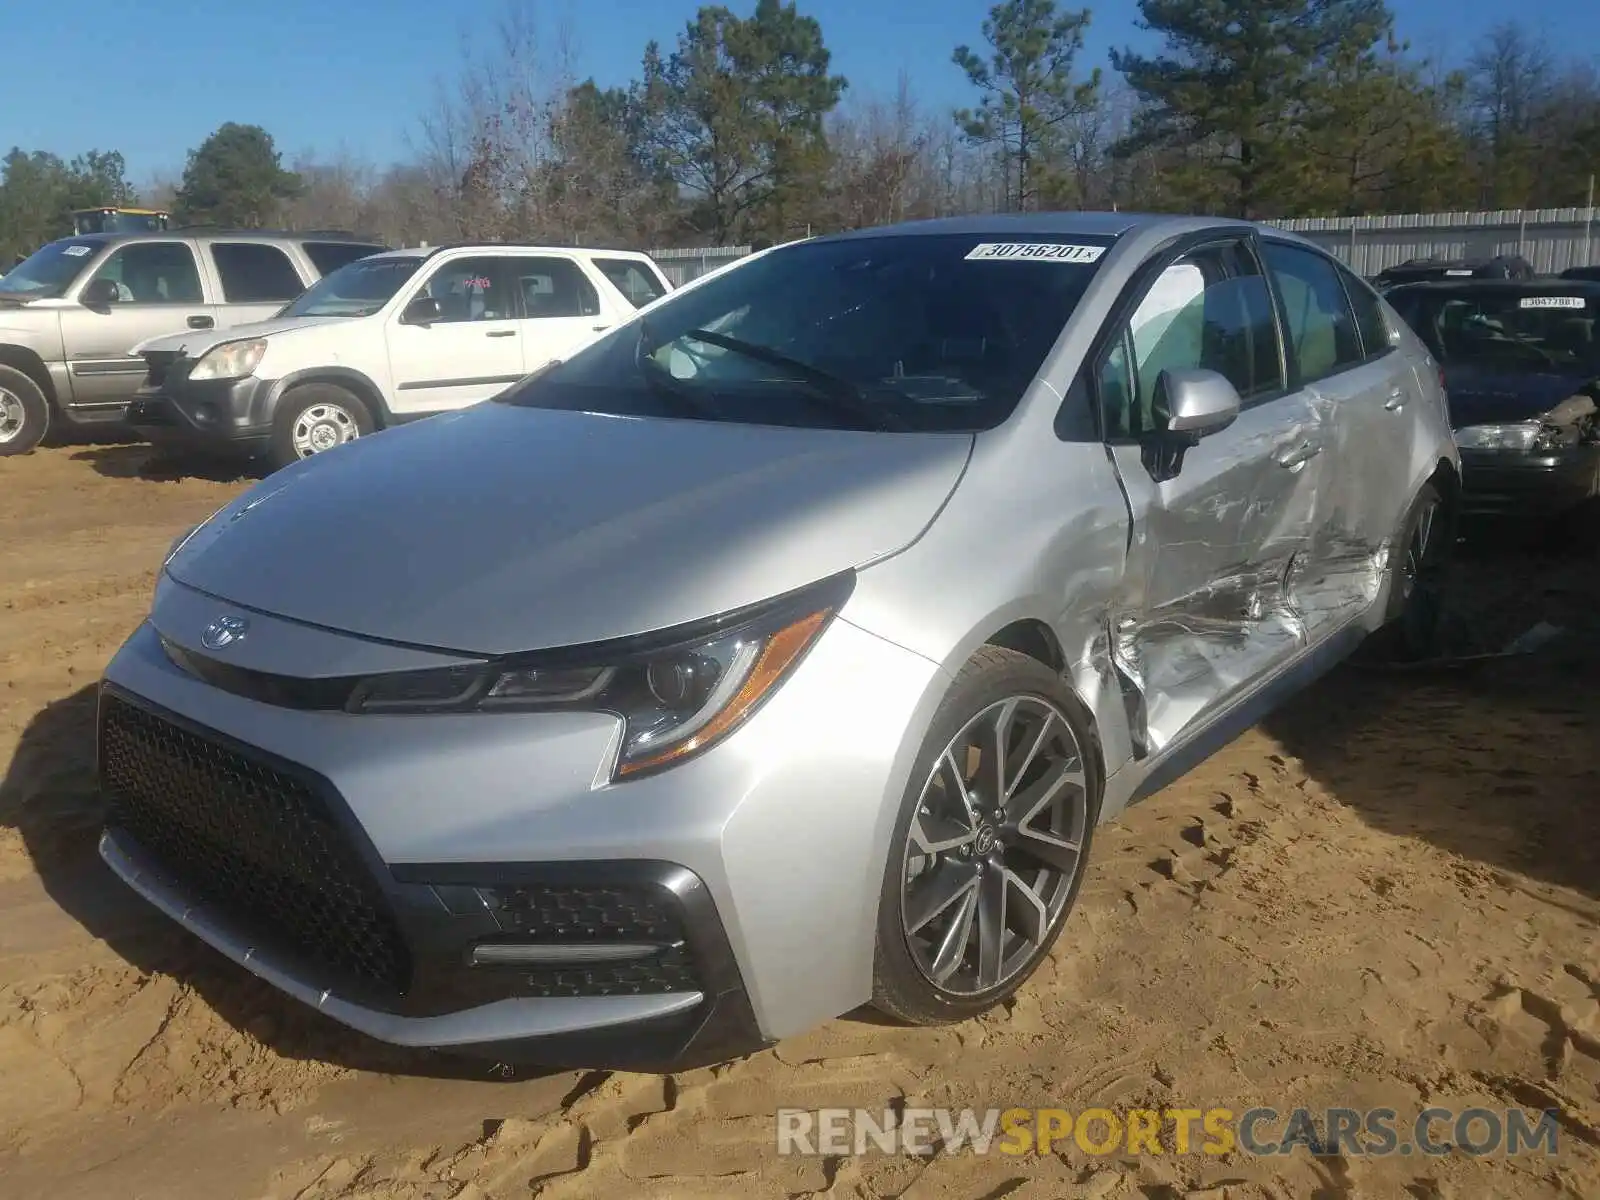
782 650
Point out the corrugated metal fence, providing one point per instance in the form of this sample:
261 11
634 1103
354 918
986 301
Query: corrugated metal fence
1552 239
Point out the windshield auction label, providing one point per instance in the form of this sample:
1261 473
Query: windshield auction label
1554 302
1036 252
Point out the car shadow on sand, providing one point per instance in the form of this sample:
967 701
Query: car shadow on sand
140 460
1496 761
49 795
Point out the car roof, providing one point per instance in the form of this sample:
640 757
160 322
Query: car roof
526 248
264 235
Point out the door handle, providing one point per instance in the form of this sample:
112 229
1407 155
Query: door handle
501 333
1299 456
1396 400
601 328
201 323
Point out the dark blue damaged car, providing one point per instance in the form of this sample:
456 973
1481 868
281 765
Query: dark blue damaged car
1521 365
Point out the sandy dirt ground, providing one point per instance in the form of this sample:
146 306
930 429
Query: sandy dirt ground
1387 896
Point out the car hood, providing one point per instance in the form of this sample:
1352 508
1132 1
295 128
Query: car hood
195 342
1482 397
501 529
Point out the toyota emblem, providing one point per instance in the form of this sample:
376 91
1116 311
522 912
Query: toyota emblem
224 632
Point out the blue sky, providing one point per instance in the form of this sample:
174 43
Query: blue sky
153 78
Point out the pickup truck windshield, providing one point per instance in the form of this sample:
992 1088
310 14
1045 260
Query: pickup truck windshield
50 270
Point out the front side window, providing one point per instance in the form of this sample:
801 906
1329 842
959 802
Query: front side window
255 273
1322 328
632 279
923 333
50 270
470 289
1509 329
357 290
153 273
1210 310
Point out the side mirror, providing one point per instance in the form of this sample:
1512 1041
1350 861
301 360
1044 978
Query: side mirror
1198 403
99 293
424 310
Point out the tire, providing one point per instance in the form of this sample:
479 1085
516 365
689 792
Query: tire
24 413
338 413
912 981
1414 621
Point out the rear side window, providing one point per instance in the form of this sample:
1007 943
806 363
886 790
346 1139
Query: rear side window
633 279
328 257
1322 327
254 273
1370 321
554 287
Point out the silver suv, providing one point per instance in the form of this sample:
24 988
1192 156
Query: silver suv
781 650
71 313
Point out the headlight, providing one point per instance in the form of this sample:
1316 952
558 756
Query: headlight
677 695
231 360
1525 436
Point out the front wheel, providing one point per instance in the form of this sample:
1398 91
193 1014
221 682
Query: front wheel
990 847
313 418
24 413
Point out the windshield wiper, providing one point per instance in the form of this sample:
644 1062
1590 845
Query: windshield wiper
664 383
839 393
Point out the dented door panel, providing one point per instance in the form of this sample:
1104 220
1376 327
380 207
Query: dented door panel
1208 605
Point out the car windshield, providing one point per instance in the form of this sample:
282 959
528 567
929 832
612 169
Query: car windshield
358 289
50 270
1506 330
925 333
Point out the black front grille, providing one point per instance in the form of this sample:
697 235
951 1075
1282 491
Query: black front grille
255 841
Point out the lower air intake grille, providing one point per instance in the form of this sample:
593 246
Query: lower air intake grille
255 842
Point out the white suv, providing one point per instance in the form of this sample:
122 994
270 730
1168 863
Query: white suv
386 339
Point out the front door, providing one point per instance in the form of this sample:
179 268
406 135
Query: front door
158 292
472 352
1203 614
561 308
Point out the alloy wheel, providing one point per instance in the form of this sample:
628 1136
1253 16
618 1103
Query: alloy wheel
995 846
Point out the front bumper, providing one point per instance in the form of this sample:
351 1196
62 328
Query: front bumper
762 859
218 415
1501 483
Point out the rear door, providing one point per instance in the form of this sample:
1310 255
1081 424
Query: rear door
561 308
1203 614
159 291
1342 355
472 352
254 279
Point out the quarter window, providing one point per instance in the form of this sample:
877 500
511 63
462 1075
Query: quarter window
1210 310
554 287
1370 321
254 273
154 273
1322 327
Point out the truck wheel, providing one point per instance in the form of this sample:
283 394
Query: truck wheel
24 413
313 418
